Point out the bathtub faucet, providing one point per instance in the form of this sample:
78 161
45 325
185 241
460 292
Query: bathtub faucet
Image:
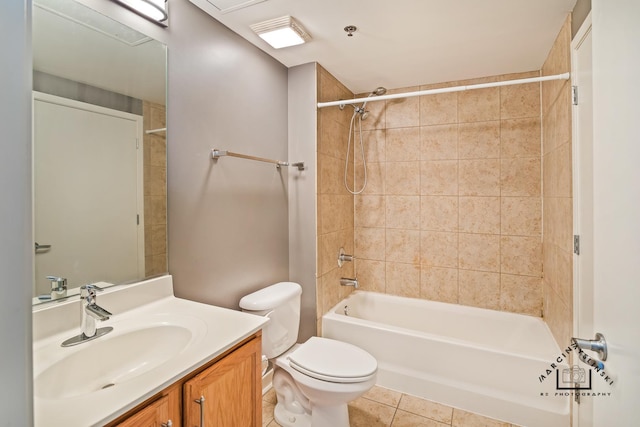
346 281
344 257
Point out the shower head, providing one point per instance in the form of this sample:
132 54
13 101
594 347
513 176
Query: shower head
379 91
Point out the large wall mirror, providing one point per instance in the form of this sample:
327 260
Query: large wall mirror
99 153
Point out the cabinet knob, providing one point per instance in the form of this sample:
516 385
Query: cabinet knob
167 424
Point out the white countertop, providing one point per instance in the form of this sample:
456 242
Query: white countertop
214 330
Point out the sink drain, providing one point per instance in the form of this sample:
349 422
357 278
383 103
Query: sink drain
107 385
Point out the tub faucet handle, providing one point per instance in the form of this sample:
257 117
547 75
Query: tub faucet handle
346 281
344 257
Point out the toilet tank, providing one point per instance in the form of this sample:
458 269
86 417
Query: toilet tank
281 304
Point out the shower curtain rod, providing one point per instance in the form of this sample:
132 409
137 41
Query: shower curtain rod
563 76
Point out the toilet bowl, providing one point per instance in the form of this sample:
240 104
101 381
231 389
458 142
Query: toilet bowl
315 380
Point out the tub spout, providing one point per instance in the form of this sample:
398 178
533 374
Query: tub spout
346 281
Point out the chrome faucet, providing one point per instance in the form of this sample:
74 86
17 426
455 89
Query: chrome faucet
58 287
346 281
90 312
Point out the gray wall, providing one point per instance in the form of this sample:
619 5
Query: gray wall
302 190
228 224
228 220
16 241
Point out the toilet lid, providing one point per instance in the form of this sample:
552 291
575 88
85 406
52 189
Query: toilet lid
332 360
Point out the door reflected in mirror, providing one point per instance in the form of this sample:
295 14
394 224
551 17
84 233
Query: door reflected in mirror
99 149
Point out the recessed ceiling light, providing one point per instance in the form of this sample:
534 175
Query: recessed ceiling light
281 32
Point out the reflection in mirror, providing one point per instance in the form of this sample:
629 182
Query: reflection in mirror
99 150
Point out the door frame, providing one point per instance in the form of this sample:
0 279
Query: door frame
582 295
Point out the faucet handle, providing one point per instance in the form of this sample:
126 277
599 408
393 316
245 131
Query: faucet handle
89 290
57 283
90 286
58 287
344 257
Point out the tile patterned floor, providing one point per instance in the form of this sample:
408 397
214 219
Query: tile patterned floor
381 407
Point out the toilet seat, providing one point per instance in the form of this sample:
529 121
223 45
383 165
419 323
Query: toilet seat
331 360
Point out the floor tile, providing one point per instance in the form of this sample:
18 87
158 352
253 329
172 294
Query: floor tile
383 395
270 396
382 407
467 419
267 413
426 408
367 413
407 419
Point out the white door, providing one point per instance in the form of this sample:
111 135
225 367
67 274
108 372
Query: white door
614 301
87 193
582 80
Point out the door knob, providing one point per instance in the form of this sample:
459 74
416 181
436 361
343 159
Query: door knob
38 247
599 345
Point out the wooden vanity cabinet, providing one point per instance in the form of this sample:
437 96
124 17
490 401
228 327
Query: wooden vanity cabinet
155 414
231 386
225 393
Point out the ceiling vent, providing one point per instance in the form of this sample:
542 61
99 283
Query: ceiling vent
91 19
281 32
226 6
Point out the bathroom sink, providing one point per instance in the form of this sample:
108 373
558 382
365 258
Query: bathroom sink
111 360
156 340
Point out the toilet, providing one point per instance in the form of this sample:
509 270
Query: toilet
315 380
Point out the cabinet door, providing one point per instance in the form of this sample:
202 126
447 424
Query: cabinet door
155 414
229 392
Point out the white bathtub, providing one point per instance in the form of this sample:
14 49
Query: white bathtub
478 360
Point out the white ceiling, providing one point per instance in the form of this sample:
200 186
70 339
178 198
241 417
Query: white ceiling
401 43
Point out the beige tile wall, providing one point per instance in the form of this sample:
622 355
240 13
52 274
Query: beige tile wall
155 189
452 209
557 190
335 204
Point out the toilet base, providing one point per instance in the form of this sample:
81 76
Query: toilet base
327 416
294 409
330 416
289 419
